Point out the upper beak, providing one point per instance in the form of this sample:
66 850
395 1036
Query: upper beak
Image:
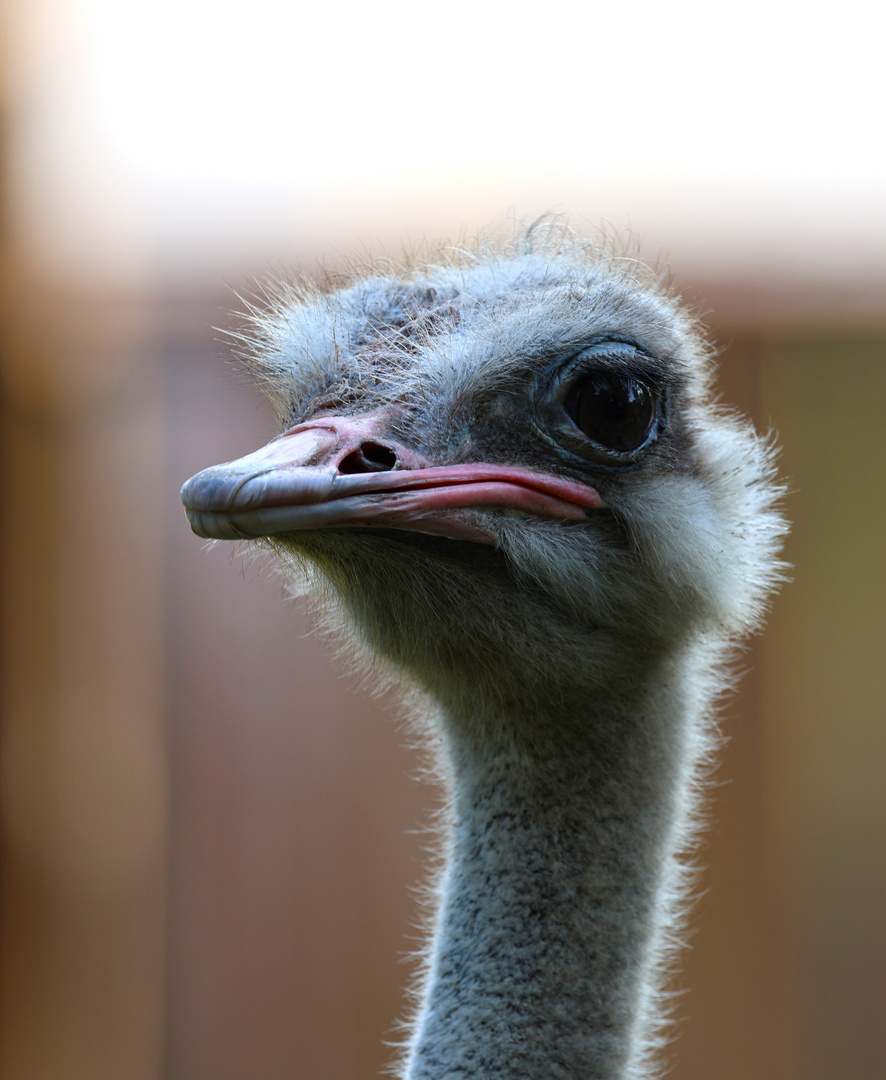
344 472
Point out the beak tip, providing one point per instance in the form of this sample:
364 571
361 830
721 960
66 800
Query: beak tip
207 490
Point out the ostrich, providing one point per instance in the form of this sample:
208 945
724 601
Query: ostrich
507 479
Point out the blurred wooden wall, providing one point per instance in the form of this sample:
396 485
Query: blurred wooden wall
208 835
83 890
823 702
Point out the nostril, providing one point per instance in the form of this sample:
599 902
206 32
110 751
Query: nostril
368 457
381 457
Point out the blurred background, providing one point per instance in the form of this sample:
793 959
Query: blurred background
208 836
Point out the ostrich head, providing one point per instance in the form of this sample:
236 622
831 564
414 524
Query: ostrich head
508 467
508 473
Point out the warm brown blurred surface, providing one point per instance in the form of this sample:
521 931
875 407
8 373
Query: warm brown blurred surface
208 835
84 790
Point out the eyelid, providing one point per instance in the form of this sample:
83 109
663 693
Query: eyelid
609 354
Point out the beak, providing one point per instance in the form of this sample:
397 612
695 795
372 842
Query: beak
344 472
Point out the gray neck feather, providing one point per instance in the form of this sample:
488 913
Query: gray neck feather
557 891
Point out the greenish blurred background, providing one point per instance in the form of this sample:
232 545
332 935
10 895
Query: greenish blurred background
208 834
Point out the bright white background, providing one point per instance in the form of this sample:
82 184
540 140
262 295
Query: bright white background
740 139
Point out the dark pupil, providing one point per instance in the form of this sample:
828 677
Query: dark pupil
615 411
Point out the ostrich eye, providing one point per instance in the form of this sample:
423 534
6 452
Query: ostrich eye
614 411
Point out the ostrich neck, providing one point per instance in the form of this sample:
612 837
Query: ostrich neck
560 867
